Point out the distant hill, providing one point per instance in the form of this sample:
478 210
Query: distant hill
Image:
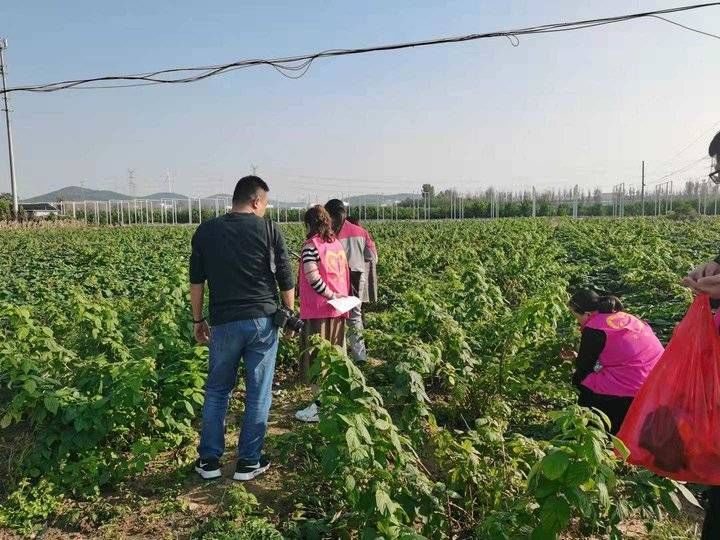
164 195
76 193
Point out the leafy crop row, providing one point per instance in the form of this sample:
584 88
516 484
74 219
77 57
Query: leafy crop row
467 428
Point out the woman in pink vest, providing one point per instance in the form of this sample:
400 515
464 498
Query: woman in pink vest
617 352
323 276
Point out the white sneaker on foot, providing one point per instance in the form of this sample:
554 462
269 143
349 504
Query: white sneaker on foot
245 470
311 413
208 468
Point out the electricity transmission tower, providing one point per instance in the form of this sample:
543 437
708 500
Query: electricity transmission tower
132 186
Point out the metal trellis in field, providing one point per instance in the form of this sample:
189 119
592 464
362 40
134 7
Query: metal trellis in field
619 200
663 198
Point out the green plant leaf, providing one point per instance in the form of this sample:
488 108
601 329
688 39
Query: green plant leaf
30 386
384 504
555 464
622 450
687 494
603 495
543 532
556 513
51 403
578 472
188 407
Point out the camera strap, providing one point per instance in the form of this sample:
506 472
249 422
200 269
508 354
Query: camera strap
272 247
270 233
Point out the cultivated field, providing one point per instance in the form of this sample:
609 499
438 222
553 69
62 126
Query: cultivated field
463 426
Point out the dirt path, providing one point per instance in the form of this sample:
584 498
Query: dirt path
204 496
170 500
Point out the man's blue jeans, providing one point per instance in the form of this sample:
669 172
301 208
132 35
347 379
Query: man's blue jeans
256 342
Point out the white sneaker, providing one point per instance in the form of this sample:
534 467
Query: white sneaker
311 413
245 471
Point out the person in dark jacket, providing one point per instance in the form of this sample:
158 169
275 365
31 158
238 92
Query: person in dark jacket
232 254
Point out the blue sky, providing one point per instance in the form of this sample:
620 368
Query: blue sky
579 107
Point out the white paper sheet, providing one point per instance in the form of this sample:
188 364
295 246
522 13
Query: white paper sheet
345 304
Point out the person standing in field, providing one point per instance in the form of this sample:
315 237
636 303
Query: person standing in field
706 279
709 269
232 254
323 275
617 353
362 258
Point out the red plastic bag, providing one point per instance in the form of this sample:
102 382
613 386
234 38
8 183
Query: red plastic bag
673 425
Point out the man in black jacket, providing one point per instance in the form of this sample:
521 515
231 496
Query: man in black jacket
232 253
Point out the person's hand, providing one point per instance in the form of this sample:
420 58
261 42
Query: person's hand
202 332
691 284
568 354
709 285
704 270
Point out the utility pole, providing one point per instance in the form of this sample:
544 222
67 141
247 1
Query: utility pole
254 169
6 108
642 191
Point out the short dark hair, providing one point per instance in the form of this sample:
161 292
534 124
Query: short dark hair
586 301
248 189
335 207
338 212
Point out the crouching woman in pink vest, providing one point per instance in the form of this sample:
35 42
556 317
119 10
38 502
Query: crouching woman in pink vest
617 352
323 276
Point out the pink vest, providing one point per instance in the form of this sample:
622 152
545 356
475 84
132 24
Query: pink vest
334 272
631 352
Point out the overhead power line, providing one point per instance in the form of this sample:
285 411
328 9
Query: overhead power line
679 171
695 140
296 66
708 34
